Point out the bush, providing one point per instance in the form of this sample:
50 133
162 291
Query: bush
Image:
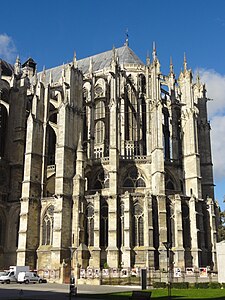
214 285
201 285
159 285
180 285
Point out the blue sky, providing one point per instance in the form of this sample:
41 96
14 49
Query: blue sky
50 31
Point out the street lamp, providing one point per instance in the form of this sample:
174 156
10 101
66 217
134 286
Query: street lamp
73 288
168 247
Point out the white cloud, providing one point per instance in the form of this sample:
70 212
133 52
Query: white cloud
7 48
215 86
218 146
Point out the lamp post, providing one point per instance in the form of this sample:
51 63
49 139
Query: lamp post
168 248
72 287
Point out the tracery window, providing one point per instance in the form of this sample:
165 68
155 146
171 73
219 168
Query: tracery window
133 179
99 110
169 182
90 224
138 225
47 226
98 91
102 180
99 132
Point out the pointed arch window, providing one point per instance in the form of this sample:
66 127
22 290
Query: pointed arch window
104 224
138 225
102 180
122 222
51 146
47 226
99 132
133 178
99 110
90 224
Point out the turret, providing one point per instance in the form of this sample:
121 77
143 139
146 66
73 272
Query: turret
17 66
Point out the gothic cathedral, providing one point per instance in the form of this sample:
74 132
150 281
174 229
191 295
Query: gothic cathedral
108 157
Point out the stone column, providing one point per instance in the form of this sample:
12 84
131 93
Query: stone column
122 129
112 249
148 230
194 232
178 233
201 232
162 231
61 230
126 250
31 193
212 232
96 250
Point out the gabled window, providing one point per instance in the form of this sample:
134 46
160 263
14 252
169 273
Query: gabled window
47 226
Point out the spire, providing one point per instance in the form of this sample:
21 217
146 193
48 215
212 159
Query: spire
43 75
75 59
148 59
154 54
35 77
17 66
185 62
198 78
171 65
127 38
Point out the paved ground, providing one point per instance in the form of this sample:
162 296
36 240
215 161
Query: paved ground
53 291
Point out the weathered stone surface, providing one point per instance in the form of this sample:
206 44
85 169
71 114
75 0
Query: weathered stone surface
108 161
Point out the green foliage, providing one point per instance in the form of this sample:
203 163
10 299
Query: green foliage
202 285
221 227
159 285
214 285
180 285
105 266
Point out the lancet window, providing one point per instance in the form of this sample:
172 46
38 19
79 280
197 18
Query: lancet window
138 225
47 226
90 224
135 117
166 134
104 224
99 133
121 224
51 146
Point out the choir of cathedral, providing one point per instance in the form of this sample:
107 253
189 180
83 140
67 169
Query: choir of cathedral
107 159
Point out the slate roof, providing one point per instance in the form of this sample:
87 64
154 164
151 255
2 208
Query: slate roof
7 69
99 62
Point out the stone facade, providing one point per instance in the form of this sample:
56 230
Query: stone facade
103 161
